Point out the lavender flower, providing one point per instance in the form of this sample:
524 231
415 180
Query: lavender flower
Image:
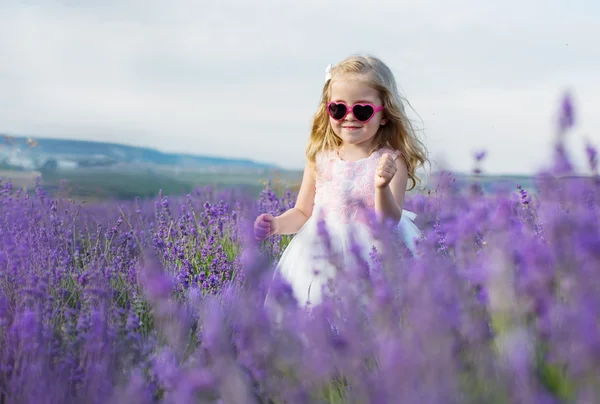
172 300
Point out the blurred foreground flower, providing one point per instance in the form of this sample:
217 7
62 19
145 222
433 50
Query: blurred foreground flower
163 300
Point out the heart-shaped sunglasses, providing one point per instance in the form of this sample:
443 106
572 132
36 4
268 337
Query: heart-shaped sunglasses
363 112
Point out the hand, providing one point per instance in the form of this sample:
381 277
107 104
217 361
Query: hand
265 226
386 169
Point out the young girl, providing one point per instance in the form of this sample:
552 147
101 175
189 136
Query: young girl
361 155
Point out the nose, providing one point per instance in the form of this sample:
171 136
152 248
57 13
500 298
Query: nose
350 115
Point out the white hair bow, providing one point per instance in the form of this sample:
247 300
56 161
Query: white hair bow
328 72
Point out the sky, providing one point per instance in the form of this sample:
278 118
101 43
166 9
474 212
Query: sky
242 79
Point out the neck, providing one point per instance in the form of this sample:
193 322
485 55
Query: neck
352 152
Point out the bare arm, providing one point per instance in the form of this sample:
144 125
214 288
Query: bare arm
389 200
292 220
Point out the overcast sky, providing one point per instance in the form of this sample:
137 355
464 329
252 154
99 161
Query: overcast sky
242 78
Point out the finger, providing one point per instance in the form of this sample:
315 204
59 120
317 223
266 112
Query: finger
262 233
390 170
387 173
267 218
384 164
264 225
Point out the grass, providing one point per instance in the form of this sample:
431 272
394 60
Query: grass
127 184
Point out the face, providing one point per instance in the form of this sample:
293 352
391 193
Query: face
349 129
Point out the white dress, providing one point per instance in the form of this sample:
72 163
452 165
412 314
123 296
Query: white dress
344 200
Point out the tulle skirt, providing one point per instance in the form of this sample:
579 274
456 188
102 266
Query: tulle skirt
310 260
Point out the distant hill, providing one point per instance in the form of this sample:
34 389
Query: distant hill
83 150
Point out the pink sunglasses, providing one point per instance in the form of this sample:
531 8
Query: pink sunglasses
361 111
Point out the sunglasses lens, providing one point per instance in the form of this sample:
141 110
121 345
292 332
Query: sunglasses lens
337 111
362 112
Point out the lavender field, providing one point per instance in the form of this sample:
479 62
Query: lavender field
161 300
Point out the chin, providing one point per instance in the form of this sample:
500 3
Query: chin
352 140
356 138
359 134
348 138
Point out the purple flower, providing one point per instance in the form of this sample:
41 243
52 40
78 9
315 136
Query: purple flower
170 299
592 156
566 118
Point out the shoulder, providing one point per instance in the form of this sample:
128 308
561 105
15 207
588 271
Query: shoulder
325 157
323 162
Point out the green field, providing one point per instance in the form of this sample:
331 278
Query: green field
102 184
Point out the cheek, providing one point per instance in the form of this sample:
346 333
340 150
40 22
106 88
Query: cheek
373 125
377 120
335 125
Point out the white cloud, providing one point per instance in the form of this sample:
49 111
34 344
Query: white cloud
242 78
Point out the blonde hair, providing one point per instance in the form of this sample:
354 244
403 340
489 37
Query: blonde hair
397 133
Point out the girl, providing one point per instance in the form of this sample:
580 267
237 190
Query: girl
361 155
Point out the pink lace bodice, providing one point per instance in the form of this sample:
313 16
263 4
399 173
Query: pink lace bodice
345 188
